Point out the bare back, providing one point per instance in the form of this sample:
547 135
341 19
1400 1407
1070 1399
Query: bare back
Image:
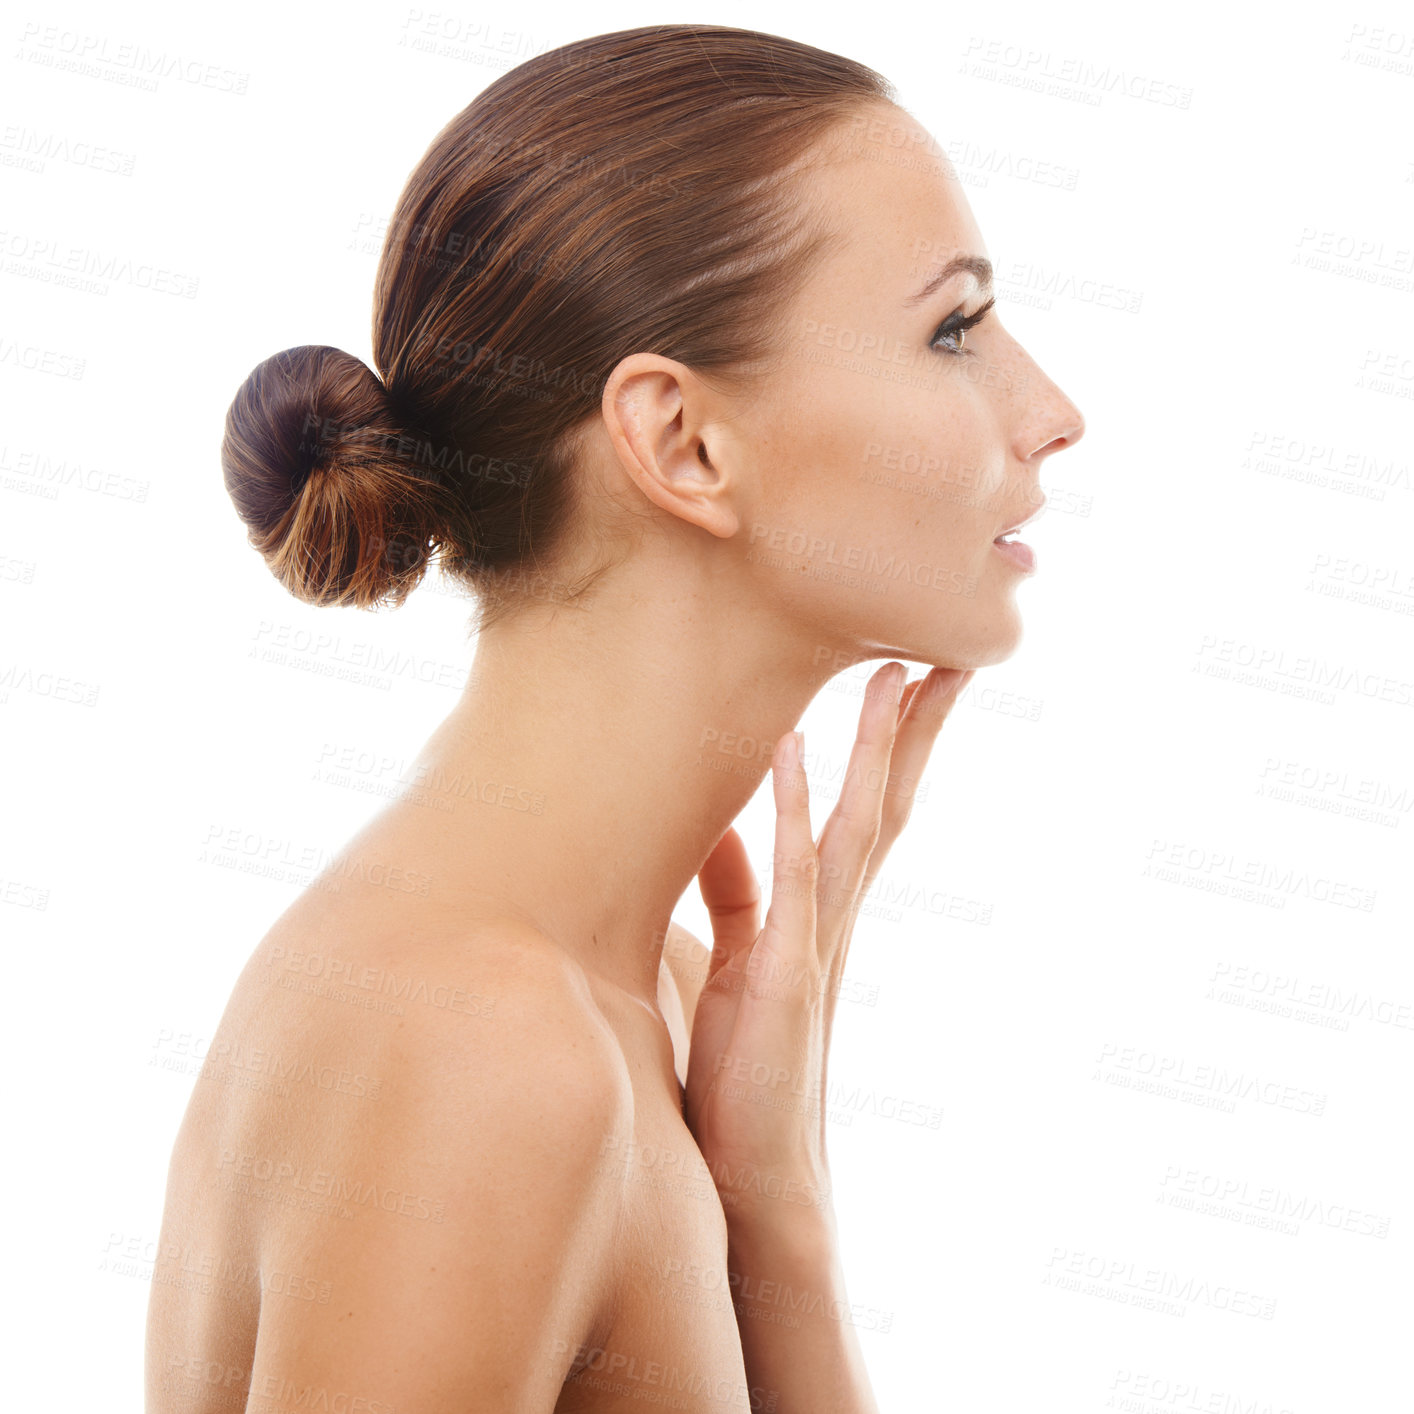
435 1173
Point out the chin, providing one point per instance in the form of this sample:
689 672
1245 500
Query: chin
985 649
981 640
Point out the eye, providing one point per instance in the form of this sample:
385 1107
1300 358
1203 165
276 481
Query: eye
956 327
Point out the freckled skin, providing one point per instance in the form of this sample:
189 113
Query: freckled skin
613 713
966 436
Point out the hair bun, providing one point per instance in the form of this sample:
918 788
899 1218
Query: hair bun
318 468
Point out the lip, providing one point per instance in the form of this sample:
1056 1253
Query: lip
1019 553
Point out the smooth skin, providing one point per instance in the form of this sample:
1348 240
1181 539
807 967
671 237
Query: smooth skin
769 997
597 1186
764 1018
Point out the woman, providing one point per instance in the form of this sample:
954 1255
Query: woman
481 1127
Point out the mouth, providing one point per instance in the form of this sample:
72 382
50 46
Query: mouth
1017 551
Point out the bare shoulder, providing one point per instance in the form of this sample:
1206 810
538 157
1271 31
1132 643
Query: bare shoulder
494 1013
433 1163
514 1022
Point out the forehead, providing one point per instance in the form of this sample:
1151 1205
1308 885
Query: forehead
886 187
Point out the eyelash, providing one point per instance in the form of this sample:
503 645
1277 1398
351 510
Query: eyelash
955 324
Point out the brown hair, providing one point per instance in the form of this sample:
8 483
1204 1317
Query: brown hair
624 193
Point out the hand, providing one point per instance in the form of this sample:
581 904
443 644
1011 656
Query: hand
756 1073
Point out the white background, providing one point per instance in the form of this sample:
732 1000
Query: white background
1046 939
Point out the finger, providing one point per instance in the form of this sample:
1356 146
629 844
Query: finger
790 920
733 899
849 834
919 725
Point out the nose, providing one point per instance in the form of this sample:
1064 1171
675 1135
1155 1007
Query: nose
1074 431
1052 422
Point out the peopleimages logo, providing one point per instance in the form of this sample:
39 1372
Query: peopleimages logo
1221 866
868 559
134 65
322 1183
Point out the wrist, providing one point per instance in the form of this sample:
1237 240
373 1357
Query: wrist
788 1235
753 1196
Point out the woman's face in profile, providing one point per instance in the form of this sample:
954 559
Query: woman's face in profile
892 449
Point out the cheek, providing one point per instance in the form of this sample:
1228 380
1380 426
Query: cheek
813 443
905 456
939 460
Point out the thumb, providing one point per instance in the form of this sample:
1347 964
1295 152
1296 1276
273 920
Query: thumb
733 898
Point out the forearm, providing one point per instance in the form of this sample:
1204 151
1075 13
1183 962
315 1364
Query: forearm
797 1338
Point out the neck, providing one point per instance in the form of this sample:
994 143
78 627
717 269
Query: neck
624 738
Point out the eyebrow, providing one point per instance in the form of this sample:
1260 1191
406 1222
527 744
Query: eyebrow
975 265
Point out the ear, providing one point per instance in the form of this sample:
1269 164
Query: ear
656 413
